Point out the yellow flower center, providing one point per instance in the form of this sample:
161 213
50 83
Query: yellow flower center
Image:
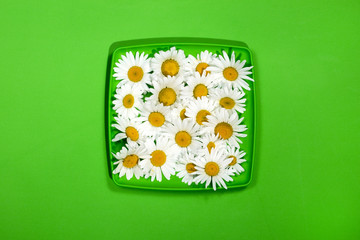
224 129
130 161
227 102
158 158
201 116
212 169
230 74
167 96
201 67
170 67
200 90
132 133
156 119
210 146
135 74
190 168
233 162
182 114
128 101
183 139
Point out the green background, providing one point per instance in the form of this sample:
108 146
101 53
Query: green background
53 174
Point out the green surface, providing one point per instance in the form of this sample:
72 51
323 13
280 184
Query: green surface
54 182
189 46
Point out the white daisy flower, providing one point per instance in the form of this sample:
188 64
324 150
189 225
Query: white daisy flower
199 110
129 129
199 64
231 73
229 99
236 157
212 169
184 134
186 168
161 159
133 70
210 141
127 101
226 125
169 63
154 118
180 110
166 91
129 157
198 86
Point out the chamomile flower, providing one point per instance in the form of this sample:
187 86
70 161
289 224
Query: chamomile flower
226 125
210 141
186 168
200 109
128 129
166 91
199 64
127 101
184 134
229 99
229 72
237 159
198 86
133 70
169 63
154 118
212 169
161 159
128 160
180 110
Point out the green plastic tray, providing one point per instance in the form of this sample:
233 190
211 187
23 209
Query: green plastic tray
190 46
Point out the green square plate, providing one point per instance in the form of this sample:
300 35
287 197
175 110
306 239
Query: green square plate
190 46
